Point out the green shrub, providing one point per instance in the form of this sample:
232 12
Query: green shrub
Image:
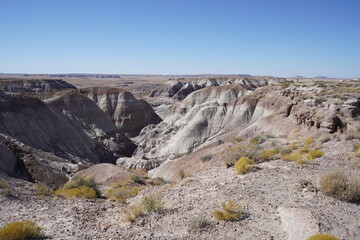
133 212
268 154
76 182
233 154
42 190
285 151
296 157
20 230
152 203
230 211
339 186
79 192
206 158
182 174
293 145
304 149
323 237
309 141
121 193
80 188
357 153
315 153
138 179
257 140
244 165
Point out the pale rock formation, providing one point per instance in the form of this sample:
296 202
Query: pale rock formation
298 223
128 113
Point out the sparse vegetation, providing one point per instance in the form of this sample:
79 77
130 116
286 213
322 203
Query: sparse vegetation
257 140
4 185
309 141
293 145
307 184
122 192
199 223
182 174
338 185
5 188
152 203
268 154
357 150
296 157
79 192
133 212
138 179
20 230
42 190
230 211
206 158
244 165
232 155
315 153
79 188
323 237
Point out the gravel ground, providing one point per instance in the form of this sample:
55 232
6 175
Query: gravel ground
261 193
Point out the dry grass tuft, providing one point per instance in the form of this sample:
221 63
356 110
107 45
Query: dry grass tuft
79 188
244 165
121 193
268 154
309 141
152 203
339 186
21 230
323 237
315 153
230 211
133 212
42 190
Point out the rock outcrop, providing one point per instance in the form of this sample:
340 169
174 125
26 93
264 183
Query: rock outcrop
128 113
41 85
7 159
179 90
50 129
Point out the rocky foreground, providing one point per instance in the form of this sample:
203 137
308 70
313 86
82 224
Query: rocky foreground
277 206
182 141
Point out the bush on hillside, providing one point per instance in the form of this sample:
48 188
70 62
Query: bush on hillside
340 186
244 165
21 230
152 203
230 211
79 188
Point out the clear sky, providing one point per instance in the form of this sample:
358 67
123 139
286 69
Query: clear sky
257 37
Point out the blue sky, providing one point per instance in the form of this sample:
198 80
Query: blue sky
258 37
